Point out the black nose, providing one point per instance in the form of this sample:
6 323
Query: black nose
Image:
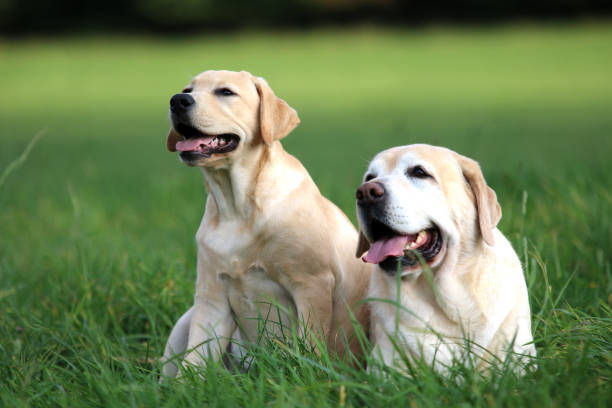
180 103
370 193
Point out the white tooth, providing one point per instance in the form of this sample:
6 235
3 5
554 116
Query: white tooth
421 238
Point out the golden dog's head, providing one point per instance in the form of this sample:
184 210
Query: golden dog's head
422 201
220 113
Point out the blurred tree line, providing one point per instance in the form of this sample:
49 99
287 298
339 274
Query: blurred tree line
65 16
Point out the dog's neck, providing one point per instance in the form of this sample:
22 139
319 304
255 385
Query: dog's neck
232 187
456 280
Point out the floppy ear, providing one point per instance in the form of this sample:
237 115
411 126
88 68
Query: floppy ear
362 245
276 118
172 140
489 210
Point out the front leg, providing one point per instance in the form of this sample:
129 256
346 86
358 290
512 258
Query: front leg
176 345
212 323
315 306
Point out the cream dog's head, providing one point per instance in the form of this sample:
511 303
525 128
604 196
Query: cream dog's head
219 114
427 200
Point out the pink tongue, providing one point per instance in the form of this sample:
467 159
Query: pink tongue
384 248
193 145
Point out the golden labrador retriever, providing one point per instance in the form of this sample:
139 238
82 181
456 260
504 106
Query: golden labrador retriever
426 213
268 239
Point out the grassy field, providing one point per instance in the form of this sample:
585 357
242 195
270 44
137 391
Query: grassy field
97 255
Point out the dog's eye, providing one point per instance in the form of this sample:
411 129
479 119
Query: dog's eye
187 90
369 177
224 92
418 172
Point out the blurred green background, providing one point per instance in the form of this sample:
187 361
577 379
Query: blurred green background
97 225
527 102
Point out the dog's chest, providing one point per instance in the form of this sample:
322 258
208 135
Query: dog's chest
255 287
421 325
225 240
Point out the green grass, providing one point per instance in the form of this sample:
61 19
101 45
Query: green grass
97 255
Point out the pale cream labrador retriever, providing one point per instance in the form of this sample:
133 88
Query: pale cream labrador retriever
422 204
268 241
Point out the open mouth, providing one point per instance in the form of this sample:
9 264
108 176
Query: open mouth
198 145
390 249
